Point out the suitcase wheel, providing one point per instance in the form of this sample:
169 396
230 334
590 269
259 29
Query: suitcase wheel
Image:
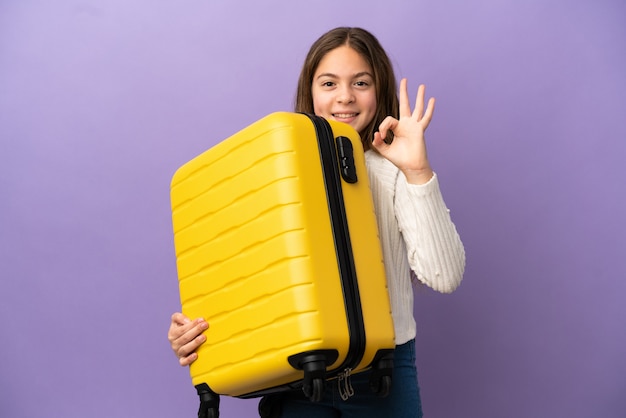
209 402
382 371
314 375
314 390
211 413
314 364
382 386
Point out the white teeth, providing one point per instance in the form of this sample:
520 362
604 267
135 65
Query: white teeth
344 115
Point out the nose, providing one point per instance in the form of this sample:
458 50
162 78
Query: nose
345 95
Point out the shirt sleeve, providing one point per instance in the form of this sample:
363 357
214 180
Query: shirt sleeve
435 251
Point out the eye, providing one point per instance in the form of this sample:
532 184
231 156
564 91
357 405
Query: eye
362 83
328 84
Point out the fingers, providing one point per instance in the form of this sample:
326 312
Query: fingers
419 102
187 353
388 124
430 108
418 112
186 361
185 336
409 123
378 141
405 106
180 319
190 339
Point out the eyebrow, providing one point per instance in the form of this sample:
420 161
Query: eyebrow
357 75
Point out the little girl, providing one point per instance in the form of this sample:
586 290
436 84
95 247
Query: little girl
347 77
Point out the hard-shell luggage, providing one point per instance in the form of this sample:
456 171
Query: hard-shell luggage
277 247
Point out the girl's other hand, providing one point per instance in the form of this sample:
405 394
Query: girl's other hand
185 336
408 149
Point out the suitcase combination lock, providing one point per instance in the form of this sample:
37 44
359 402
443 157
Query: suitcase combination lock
346 159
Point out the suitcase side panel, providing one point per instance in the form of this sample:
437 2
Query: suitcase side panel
229 277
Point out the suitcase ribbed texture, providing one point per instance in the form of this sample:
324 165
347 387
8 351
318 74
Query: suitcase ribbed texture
256 256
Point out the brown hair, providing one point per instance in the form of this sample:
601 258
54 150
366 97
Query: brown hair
365 44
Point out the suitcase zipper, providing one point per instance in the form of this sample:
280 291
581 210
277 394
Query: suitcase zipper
345 259
344 385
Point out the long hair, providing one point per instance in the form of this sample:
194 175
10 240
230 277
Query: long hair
366 45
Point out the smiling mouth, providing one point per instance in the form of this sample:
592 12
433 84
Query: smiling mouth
345 115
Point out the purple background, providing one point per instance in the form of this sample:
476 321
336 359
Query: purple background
101 101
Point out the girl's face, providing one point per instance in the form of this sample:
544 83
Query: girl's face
343 88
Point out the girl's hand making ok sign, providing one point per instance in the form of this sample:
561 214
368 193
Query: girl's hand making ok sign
408 149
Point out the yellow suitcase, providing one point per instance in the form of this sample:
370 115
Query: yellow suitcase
277 247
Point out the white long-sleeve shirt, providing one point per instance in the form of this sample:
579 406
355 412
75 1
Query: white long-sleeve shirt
416 234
